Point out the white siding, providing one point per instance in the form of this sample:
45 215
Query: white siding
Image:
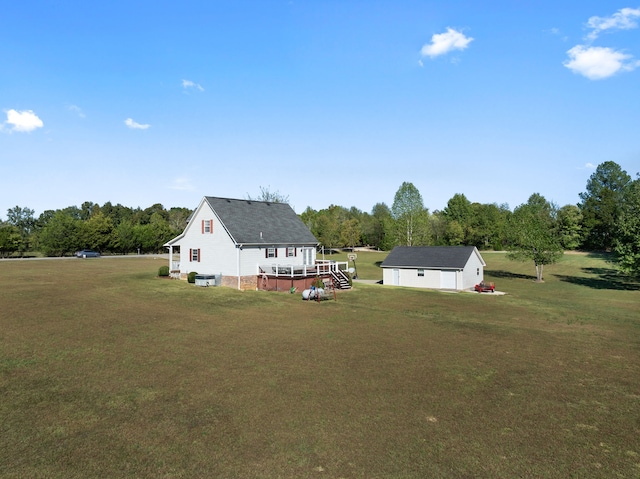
409 277
448 279
217 251
473 272
252 257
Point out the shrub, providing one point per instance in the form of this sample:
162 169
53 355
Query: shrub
191 277
318 283
163 271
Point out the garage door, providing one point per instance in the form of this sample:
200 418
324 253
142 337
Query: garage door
448 280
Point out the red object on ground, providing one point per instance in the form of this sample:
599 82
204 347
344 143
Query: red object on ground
485 287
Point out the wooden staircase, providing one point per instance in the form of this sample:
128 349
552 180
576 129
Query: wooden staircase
340 280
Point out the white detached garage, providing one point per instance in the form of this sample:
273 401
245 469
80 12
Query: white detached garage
436 267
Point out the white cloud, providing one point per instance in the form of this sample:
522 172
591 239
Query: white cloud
590 166
558 33
23 121
135 126
442 43
597 63
182 184
77 110
188 84
623 19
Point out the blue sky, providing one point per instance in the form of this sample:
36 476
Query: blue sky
328 102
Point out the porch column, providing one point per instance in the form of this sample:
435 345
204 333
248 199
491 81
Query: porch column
238 259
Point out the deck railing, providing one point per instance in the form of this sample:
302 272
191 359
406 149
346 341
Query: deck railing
322 267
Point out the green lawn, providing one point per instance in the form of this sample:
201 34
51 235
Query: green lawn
108 371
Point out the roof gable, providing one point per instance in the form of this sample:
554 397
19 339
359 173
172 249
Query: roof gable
260 222
434 257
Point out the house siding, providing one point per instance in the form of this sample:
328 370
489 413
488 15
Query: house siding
217 250
409 277
470 276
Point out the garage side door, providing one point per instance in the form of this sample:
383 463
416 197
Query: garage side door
448 279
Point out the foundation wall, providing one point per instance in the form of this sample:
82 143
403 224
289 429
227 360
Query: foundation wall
282 283
247 283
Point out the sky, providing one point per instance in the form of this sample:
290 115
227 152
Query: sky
324 101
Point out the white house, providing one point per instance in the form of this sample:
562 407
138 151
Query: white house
245 241
436 267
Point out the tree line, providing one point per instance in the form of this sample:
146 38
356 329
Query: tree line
108 228
606 219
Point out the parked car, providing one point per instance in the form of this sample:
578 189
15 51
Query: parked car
87 253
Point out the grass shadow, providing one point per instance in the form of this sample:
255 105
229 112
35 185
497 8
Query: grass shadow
603 255
508 275
602 278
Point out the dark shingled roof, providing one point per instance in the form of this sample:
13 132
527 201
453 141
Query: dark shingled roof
435 257
261 222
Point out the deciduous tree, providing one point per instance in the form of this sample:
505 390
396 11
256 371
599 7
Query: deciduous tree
459 214
97 232
60 235
124 237
533 234
627 240
406 209
24 221
570 226
271 196
601 204
350 233
10 240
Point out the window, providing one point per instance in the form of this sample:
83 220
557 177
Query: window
420 272
291 251
477 271
272 253
207 226
194 255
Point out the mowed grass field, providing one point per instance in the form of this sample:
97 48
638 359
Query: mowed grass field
108 371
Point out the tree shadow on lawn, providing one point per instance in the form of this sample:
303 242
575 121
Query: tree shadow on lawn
602 278
508 275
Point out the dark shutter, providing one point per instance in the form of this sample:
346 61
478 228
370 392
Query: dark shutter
198 255
190 255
